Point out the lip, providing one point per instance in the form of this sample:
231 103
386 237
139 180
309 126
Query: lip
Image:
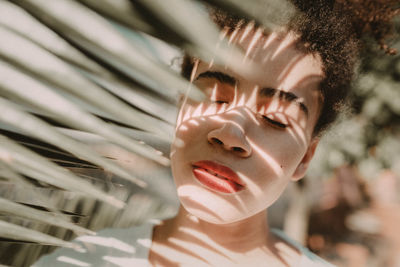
217 177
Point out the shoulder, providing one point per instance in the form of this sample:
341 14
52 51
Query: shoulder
109 247
308 259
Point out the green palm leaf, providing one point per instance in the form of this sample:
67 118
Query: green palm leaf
56 72
13 83
26 162
20 21
98 36
12 231
10 114
16 209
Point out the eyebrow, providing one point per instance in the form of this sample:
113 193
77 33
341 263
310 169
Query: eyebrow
285 96
219 76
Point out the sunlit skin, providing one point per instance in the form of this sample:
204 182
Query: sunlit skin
262 129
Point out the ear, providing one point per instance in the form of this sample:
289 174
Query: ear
305 161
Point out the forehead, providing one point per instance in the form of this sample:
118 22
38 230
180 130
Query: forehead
277 55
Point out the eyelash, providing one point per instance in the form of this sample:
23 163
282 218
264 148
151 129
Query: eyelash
219 102
265 118
275 123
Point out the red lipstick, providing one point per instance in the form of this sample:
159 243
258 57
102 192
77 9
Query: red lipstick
217 177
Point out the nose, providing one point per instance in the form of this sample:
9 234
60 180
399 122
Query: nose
230 137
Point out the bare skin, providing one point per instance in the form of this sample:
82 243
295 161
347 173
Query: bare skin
187 241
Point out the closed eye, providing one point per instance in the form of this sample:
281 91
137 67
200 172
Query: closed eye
220 102
274 122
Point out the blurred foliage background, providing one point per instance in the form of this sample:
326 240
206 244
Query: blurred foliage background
88 93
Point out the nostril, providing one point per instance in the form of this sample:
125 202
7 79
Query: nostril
238 149
216 141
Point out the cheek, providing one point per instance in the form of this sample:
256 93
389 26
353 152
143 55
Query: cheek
279 151
190 142
187 134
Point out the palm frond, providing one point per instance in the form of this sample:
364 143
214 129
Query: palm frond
20 21
12 231
14 82
55 72
26 162
11 114
10 207
122 11
109 45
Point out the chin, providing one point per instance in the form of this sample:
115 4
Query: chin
212 207
211 218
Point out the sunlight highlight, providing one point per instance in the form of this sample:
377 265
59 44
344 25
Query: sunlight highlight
197 112
251 185
269 40
284 44
241 101
107 242
268 159
249 28
298 134
256 37
211 110
252 115
126 261
73 261
194 122
145 242
187 113
233 35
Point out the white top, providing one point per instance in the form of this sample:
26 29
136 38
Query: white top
115 247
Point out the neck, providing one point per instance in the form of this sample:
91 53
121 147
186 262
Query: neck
239 237
194 242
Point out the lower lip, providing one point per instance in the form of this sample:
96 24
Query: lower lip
215 183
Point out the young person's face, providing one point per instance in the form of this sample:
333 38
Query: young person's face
251 136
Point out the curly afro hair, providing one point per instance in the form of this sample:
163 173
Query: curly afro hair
334 30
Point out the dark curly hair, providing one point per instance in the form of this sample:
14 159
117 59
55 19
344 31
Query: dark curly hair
336 31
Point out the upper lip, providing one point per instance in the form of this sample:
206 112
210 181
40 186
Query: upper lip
219 169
